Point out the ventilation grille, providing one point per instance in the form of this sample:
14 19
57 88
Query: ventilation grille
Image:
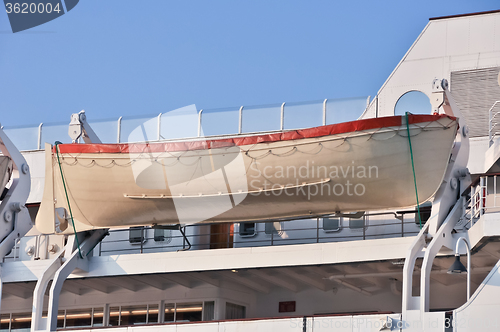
475 91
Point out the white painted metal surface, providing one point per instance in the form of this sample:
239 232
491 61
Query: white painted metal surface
14 217
444 46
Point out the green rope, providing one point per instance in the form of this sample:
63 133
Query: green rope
67 198
413 168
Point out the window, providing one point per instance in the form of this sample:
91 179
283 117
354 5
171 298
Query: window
60 318
169 313
153 312
235 311
162 235
415 102
133 315
425 213
4 322
331 224
247 229
78 317
274 228
136 235
188 312
208 310
357 223
114 316
70 318
97 316
21 321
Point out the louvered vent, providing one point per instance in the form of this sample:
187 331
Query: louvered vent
475 91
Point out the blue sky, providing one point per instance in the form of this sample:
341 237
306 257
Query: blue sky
121 57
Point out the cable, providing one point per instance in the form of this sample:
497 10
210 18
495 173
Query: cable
413 168
67 198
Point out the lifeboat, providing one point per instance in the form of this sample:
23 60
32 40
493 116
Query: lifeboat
353 166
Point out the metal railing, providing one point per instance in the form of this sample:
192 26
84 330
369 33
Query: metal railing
494 121
203 237
14 254
475 206
209 122
484 198
206 237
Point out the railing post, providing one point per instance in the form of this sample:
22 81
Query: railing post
184 238
495 191
142 239
364 228
159 126
317 230
324 112
39 145
490 127
473 205
481 196
282 116
199 123
240 120
118 129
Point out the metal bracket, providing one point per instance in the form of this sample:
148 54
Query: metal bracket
15 219
58 270
437 98
446 209
78 127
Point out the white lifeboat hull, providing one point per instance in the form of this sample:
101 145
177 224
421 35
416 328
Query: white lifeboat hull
356 166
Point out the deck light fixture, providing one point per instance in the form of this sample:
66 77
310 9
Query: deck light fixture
457 267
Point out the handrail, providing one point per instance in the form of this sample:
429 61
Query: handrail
282 116
320 108
40 136
118 129
477 205
159 127
240 120
199 122
393 226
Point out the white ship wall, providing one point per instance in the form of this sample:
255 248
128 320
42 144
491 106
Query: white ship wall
444 46
481 312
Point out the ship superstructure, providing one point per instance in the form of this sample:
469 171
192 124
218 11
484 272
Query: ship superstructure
347 270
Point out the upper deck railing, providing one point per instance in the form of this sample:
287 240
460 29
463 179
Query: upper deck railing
483 196
202 123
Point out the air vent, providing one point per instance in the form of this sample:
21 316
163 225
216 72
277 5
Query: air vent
475 91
